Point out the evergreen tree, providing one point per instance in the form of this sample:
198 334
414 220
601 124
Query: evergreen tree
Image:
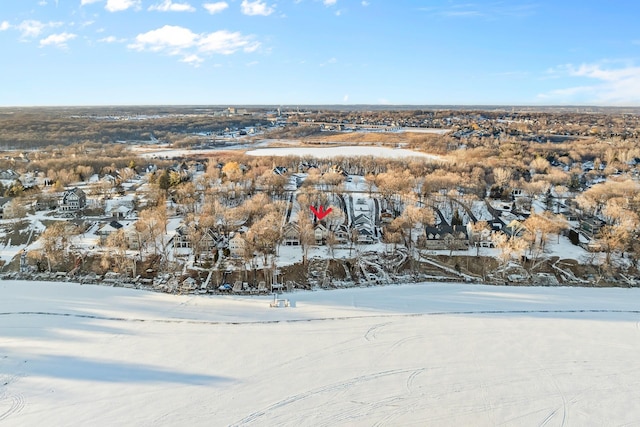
164 181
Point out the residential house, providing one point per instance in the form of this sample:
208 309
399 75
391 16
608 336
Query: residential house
320 233
30 180
120 212
110 228
181 238
361 206
212 239
237 245
132 236
45 203
280 170
446 237
73 200
362 220
481 238
365 235
119 207
591 226
291 234
341 233
209 238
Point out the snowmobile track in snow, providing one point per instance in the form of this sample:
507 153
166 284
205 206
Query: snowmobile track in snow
328 388
16 405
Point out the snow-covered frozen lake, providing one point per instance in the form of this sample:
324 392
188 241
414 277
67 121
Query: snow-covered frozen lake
342 151
317 152
426 354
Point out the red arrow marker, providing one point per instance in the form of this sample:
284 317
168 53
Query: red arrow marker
320 213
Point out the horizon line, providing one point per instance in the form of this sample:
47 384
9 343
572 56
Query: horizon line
270 105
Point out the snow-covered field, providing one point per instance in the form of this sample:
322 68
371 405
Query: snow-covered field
427 354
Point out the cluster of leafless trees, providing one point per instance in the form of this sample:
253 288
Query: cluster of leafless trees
28 128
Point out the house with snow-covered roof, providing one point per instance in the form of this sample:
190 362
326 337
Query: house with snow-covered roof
341 233
73 200
291 234
446 237
109 228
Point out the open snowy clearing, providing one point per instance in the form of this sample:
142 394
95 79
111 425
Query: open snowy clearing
427 354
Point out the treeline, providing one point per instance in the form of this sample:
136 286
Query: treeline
603 123
28 129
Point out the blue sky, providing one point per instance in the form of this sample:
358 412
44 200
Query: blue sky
116 52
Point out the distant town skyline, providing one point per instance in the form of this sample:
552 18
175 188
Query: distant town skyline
314 52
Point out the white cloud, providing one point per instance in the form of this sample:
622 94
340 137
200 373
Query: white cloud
121 5
329 2
611 86
169 6
4 25
57 40
225 43
83 2
490 10
169 38
111 39
174 40
33 28
345 98
256 8
194 60
217 7
365 3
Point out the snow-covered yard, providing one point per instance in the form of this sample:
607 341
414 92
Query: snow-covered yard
426 354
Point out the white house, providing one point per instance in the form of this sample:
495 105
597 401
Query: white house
237 245
291 234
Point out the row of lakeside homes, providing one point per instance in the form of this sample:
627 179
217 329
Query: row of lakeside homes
70 201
